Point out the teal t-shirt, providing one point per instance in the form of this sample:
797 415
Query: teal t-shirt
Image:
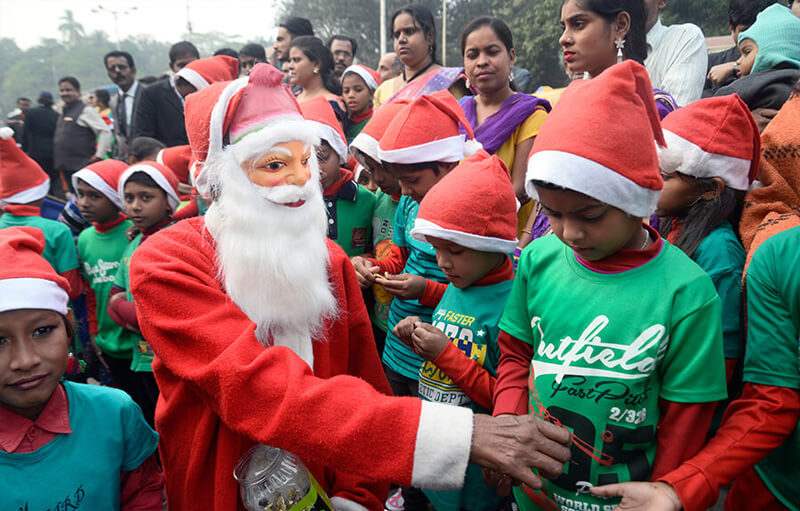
421 261
353 222
100 254
469 317
80 470
721 255
606 348
59 245
382 233
773 347
142 357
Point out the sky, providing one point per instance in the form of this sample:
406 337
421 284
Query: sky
27 21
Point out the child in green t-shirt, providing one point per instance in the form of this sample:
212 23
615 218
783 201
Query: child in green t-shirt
149 191
608 330
459 346
349 205
100 248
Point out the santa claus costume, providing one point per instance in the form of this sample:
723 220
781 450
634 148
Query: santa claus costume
259 327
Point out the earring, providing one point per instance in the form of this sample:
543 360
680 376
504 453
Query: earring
75 366
510 77
316 71
467 84
619 43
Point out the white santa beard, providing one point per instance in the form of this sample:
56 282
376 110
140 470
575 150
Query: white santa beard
272 258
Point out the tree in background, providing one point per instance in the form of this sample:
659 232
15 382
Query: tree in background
70 29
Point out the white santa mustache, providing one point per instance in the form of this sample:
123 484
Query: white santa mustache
288 194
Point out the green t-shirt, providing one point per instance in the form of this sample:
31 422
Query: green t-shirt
351 228
59 245
606 348
354 128
382 232
100 254
469 317
773 346
721 255
142 352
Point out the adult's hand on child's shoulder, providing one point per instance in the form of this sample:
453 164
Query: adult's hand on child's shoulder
405 328
641 496
515 444
365 271
404 285
428 341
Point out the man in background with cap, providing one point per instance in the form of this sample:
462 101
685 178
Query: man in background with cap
40 127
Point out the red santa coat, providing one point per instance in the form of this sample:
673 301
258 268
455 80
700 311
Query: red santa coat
222 391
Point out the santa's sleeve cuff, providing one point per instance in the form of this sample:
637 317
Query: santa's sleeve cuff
342 504
442 449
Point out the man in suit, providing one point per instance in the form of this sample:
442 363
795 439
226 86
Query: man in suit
122 71
40 127
159 113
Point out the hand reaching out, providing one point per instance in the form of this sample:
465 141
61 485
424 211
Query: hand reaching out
641 496
404 285
365 271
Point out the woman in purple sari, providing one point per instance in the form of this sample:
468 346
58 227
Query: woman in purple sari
503 121
414 36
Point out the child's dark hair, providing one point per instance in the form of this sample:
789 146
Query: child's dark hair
413 167
423 17
548 186
744 12
703 216
141 178
315 50
182 49
636 40
142 147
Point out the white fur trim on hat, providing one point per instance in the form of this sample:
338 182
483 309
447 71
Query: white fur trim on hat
364 74
172 197
590 178
423 228
685 157
30 293
332 137
193 77
342 504
367 145
6 132
441 452
448 149
31 194
95 181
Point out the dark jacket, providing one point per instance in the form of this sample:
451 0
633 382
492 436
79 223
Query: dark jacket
73 144
40 127
120 123
159 115
764 89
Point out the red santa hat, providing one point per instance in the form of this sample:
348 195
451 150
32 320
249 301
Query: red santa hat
27 281
104 177
164 178
321 114
203 72
226 113
713 137
178 159
371 78
599 141
368 139
428 130
448 210
22 180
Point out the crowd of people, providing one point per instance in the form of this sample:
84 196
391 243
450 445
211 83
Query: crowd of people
437 289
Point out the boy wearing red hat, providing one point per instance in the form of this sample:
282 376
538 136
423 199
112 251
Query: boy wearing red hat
199 74
23 187
349 204
609 330
460 345
100 248
149 192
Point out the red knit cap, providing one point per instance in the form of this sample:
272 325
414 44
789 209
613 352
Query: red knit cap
713 137
368 139
427 130
203 72
104 177
27 281
371 77
448 210
599 141
159 173
178 159
22 180
321 113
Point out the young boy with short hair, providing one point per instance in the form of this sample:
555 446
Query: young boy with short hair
349 204
149 192
460 345
23 187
